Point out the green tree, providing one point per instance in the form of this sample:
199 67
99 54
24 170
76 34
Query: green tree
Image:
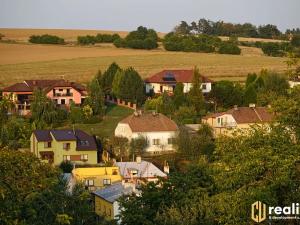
179 98
132 87
116 84
95 97
43 110
195 95
250 95
166 107
108 77
138 145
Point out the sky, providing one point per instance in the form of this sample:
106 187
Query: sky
161 15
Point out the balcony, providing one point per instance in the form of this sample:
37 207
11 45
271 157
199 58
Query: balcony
227 124
63 94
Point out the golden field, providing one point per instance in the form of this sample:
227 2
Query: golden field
33 61
69 35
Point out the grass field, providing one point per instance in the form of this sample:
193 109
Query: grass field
24 61
31 61
106 127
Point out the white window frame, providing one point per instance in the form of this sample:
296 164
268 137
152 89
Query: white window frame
89 183
67 158
84 157
65 146
106 182
155 141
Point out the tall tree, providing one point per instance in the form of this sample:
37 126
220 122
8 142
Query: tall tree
108 77
42 109
195 95
179 97
132 87
96 97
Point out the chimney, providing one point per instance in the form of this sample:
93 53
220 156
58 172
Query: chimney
235 107
166 167
138 159
251 105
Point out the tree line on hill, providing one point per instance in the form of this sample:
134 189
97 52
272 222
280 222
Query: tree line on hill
221 28
199 43
46 39
142 38
99 38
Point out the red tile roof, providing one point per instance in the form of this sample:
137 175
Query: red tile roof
148 122
46 85
247 115
183 76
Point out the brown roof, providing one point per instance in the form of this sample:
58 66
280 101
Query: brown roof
148 122
183 76
46 85
247 115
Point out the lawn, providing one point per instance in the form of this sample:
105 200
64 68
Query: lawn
107 126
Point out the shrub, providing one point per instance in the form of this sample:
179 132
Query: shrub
46 39
229 48
66 167
272 49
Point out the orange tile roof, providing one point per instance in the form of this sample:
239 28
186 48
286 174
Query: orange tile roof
148 122
247 115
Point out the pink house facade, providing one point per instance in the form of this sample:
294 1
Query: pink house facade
62 92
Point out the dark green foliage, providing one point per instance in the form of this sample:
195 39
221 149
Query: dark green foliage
179 96
296 40
107 78
229 48
99 38
96 97
76 115
43 110
195 96
66 167
185 115
199 43
226 94
46 39
132 87
192 146
166 105
142 38
268 31
138 145
250 95
272 49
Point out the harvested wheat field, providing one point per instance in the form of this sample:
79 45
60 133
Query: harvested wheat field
25 61
23 35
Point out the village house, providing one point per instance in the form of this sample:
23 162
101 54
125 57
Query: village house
238 118
166 80
140 171
294 81
56 146
106 200
97 177
156 128
62 92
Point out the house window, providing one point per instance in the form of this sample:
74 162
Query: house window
89 183
84 157
63 101
60 90
106 181
115 172
171 141
134 172
66 146
48 144
203 86
220 121
67 158
155 141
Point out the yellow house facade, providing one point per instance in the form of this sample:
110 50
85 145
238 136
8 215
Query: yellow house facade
97 177
56 146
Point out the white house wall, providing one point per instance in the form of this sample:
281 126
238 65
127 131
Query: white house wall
168 88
